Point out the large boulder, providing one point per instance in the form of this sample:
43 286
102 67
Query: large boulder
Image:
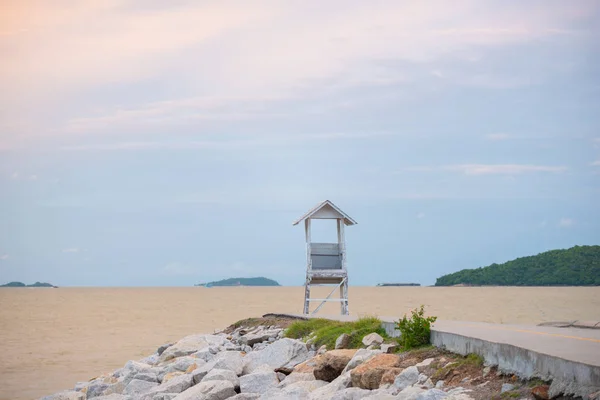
66 395
177 384
326 392
372 339
114 396
411 393
181 364
258 336
343 341
296 377
231 360
191 344
222 375
259 382
368 375
211 390
282 353
96 389
149 376
360 357
331 364
131 369
245 396
407 378
138 387
432 394
351 394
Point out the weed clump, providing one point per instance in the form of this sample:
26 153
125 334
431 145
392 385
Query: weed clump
415 331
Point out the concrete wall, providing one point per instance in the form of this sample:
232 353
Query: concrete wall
567 376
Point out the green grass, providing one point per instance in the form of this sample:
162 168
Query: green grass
326 331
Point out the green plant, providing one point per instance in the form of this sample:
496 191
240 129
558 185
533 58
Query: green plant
415 331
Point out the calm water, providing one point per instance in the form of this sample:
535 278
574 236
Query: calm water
52 338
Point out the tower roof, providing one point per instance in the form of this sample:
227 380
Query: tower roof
326 210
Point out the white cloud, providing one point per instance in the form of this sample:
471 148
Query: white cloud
71 250
33 177
566 222
341 41
595 163
4 257
498 136
14 175
490 169
420 215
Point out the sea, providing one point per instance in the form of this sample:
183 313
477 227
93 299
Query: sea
52 338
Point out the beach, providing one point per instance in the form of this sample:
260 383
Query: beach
52 338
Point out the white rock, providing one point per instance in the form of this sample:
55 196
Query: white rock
211 390
342 341
486 371
372 338
191 344
114 396
178 384
138 387
506 387
360 357
406 378
204 354
422 378
98 387
231 360
340 383
147 376
296 377
258 382
66 395
424 363
308 386
283 353
432 394
351 394
245 396
165 396
410 393
380 396
458 390
388 348
322 350
222 375
439 384
281 376
150 360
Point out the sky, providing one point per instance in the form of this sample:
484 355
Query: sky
155 143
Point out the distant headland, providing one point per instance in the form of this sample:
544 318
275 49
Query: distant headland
21 284
260 281
577 266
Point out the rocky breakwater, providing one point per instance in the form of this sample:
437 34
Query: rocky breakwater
260 363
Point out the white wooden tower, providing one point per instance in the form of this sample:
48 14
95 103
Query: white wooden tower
326 262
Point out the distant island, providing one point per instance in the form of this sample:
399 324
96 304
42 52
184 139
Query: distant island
577 266
21 284
260 281
398 284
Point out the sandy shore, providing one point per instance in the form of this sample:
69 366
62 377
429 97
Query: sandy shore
51 338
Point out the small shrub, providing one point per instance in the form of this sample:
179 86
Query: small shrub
416 330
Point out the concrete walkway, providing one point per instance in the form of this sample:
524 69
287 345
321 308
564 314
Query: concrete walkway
570 357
